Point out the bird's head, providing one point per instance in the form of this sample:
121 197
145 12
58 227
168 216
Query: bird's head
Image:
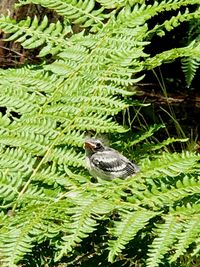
93 145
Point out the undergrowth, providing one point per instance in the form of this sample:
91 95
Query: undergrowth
52 214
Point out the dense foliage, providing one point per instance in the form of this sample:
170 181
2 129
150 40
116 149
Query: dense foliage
51 211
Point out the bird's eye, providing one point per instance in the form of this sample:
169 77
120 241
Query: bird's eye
98 145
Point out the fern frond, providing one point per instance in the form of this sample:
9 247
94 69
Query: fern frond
32 34
126 229
141 137
165 143
151 146
31 226
83 222
171 164
197 248
187 210
27 80
19 103
175 21
190 231
39 144
104 124
9 187
166 235
79 12
119 3
192 50
141 13
190 66
16 244
66 156
17 160
168 194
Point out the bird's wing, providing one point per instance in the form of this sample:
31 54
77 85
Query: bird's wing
110 161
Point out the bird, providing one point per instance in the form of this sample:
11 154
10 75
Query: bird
107 163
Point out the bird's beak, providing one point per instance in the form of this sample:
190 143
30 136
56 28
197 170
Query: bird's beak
89 145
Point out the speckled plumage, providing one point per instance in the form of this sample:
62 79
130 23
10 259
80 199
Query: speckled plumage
107 163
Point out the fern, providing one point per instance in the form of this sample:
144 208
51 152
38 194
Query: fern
175 21
79 12
9 187
126 229
31 226
166 235
189 234
48 109
191 51
190 66
164 194
82 222
171 164
32 34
